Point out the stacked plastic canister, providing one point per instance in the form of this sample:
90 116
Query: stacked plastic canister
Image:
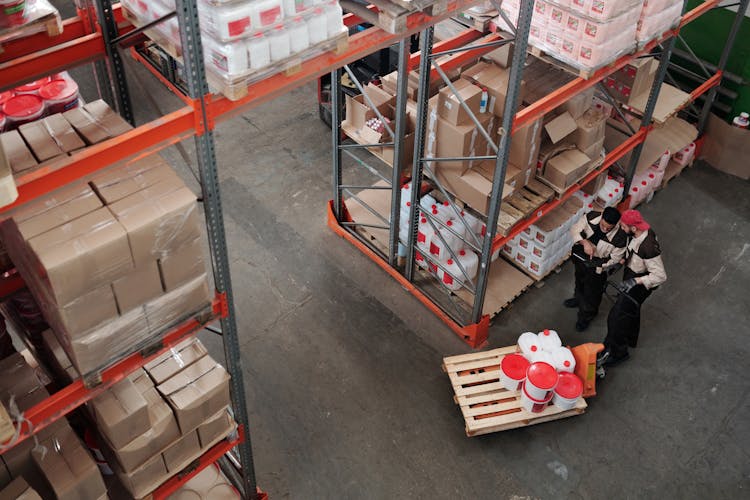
34 100
243 37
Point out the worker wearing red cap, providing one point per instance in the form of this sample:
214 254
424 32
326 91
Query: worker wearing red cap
644 272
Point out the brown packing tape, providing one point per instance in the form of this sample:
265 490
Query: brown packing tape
62 133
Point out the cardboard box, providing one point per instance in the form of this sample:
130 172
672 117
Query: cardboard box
96 122
451 110
17 152
593 187
445 140
146 478
472 188
566 168
579 103
177 359
178 305
726 144
560 127
197 393
595 150
121 413
139 286
501 56
183 451
214 428
58 354
42 144
87 311
162 431
590 129
495 80
58 211
69 469
633 79
358 111
123 181
525 144
158 219
82 254
18 489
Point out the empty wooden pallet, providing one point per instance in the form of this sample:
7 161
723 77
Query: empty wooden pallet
485 404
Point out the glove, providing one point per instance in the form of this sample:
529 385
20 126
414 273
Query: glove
626 286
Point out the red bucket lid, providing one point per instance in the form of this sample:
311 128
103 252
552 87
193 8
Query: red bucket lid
542 375
32 86
58 89
4 96
23 106
514 366
569 386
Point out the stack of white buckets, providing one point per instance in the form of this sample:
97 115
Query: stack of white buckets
454 232
542 372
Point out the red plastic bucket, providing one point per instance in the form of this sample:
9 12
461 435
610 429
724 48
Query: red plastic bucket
513 371
32 87
12 12
531 404
541 378
22 109
568 390
59 95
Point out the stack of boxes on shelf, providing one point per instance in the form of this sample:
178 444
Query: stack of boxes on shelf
589 35
55 463
546 244
632 80
251 39
159 419
114 262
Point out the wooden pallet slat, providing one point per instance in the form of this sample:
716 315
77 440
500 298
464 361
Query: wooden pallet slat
485 404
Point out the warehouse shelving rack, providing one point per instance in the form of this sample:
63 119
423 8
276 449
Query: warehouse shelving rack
90 37
471 324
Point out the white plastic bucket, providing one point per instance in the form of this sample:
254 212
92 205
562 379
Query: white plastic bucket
549 340
528 342
513 371
541 378
532 404
569 389
563 360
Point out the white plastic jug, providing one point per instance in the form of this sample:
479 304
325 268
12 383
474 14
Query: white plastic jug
427 201
528 342
258 51
469 261
475 224
334 17
453 278
424 233
563 360
549 340
278 40
316 25
454 234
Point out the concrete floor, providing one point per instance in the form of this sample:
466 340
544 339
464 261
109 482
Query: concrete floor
342 366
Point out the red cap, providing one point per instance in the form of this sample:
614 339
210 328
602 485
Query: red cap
445 203
23 106
569 386
408 203
514 366
449 223
423 220
534 348
542 375
58 89
634 218
566 363
449 262
462 252
644 183
545 332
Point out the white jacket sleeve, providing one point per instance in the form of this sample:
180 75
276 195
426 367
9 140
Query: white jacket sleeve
656 273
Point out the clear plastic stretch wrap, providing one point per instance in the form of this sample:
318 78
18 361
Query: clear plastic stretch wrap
657 17
112 263
15 14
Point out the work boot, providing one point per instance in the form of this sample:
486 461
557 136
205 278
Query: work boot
612 361
582 326
571 303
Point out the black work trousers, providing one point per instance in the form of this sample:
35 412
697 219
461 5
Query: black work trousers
624 321
589 287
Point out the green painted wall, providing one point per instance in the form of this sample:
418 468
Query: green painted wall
706 36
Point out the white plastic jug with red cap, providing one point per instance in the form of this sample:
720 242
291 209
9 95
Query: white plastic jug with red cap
469 260
528 342
610 194
427 201
549 340
685 155
563 360
475 224
450 275
663 161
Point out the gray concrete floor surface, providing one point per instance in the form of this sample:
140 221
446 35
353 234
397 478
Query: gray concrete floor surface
342 366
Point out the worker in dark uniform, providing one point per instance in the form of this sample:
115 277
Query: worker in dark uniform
644 272
598 247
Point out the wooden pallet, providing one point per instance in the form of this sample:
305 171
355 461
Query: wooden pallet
584 73
480 23
485 404
45 21
522 204
538 277
392 15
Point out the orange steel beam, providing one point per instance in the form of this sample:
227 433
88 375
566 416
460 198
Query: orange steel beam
210 457
55 59
711 82
475 335
143 140
698 11
57 405
73 28
138 57
360 45
609 160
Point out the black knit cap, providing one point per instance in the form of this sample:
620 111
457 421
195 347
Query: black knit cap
611 215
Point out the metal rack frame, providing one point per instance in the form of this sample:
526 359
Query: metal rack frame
84 40
473 327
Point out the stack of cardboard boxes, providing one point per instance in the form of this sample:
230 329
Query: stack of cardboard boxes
59 466
114 262
545 244
632 80
158 420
